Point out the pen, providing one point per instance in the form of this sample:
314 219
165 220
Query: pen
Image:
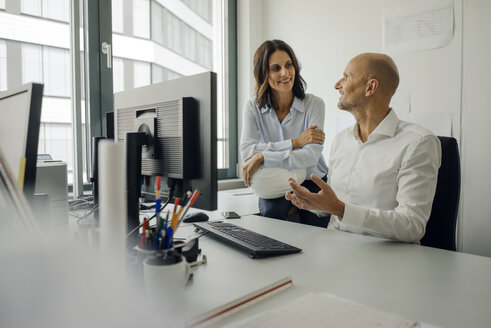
148 244
157 211
184 202
157 192
168 238
173 220
141 239
188 205
166 222
185 199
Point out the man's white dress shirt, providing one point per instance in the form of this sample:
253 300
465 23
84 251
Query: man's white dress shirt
388 182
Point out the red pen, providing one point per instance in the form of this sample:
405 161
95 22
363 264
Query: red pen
173 222
157 193
188 205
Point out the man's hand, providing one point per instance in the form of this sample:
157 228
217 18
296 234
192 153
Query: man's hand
325 200
310 136
251 166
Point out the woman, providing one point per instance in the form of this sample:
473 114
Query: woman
282 126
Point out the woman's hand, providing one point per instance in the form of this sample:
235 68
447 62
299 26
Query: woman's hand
251 166
312 135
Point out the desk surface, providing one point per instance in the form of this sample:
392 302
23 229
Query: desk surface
444 288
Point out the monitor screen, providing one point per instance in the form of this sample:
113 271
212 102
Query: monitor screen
180 115
20 110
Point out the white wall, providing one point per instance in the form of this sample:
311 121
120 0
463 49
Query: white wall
327 34
476 134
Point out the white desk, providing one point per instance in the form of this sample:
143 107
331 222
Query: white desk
431 285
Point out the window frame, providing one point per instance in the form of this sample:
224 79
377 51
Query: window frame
99 86
231 91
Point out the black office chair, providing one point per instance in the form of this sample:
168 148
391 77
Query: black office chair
440 230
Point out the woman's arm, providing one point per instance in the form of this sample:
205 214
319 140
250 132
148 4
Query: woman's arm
308 155
250 139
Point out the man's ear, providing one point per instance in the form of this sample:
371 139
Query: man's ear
372 86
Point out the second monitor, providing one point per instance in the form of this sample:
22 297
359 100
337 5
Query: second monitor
181 116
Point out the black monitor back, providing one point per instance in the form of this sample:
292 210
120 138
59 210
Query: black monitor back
197 93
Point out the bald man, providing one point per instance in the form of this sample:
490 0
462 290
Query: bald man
382 171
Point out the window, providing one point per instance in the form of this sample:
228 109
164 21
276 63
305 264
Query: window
32 66
204 8
55 139
56 9
52 9
56 68
141 74
157 73
157 23
141 18
154 41
118 75
174 30
161 74
31 7
170 39
117 13
41 53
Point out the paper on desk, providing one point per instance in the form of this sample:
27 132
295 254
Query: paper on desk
322 310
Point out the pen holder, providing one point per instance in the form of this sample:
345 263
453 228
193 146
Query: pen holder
165 273
136 266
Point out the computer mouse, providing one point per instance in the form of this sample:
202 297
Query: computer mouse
195 217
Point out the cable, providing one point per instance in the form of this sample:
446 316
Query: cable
171 195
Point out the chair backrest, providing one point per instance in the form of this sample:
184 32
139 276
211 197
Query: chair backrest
440 230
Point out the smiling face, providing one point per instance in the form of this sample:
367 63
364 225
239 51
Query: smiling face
352 86
281 73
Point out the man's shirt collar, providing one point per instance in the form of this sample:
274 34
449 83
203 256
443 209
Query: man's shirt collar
387 127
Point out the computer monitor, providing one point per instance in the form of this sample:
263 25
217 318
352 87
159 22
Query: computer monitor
16 217
181 116
20 112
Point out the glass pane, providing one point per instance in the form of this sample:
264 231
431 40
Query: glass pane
56 68
141 74
157 23
32 63
118 74
117 13
31 7
201 7
41 53
2 4
57 9
157 73
141 18
166 40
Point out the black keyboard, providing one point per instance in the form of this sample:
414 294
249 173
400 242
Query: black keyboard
256 244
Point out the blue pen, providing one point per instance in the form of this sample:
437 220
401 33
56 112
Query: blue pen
168 238
166 221
157 212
